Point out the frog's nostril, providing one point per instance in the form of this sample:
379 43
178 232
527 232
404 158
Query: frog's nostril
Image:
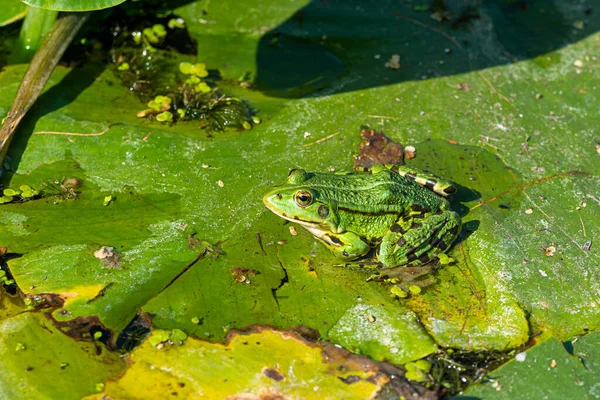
279 196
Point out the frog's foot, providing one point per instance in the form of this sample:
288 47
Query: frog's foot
406 274
418 241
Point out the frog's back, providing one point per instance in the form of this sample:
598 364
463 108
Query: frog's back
384 191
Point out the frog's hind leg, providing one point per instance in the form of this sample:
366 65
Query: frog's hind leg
417 241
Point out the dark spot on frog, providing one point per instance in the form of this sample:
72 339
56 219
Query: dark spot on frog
394 169
411 257
279 196
345 253
418 208
439 243
273 374
323 211
434 232
375 241
335 240
411 176
350 379
419 216
454 230
424 258
397 229
401 242
415 225
430 183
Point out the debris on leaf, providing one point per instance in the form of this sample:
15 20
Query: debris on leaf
377 149
550 250
529 211
464 86
578 63
370 318
293 231
393 62
242 274
110 258
587 246
409 152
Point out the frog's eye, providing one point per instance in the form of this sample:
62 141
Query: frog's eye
303 199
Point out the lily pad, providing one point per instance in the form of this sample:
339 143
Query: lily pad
39 361
567 370
185 213
263 363
73 5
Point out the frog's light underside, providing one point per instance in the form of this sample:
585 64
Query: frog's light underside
393 210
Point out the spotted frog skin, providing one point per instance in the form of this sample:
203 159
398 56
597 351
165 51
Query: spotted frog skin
399 212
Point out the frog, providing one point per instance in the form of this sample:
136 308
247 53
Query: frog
393 217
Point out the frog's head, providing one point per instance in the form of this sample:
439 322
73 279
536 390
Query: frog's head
297 200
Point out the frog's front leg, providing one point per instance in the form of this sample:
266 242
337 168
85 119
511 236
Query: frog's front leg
346 246
425 179
418 240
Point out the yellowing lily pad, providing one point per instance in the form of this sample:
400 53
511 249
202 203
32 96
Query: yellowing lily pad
263 363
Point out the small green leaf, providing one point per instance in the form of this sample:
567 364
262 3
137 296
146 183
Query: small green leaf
423 365
27 194
256 120
11 192
123 67
195 320
414 289
5 199
396 291
416 375
202 87
107 200
150 36
163 100
165 116
186 68
159 30
178 336
25 188
176 23
199 70
181 112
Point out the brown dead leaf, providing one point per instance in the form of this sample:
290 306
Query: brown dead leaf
377 149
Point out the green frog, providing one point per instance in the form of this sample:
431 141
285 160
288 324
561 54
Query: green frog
397 215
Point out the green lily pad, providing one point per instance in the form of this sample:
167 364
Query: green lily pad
10 10
551 369
39 361
185 214
73 5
